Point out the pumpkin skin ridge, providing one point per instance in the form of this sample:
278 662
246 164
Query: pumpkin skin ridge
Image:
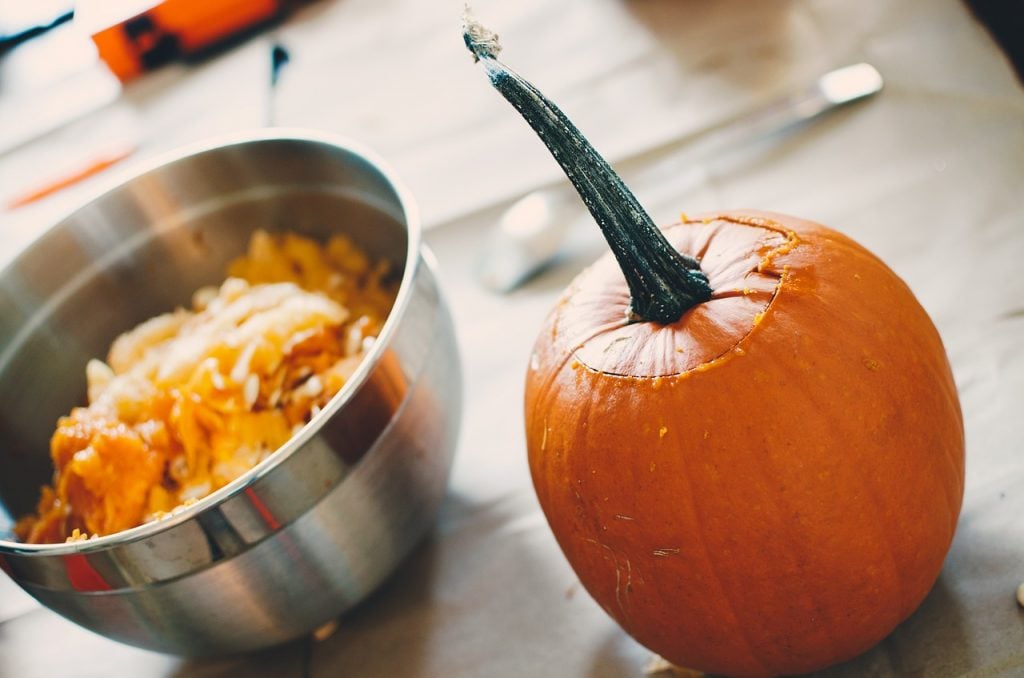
792 241
831 625
809 601
553 477
902 585
951 503
714 566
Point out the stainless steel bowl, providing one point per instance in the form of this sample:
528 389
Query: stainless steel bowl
321 523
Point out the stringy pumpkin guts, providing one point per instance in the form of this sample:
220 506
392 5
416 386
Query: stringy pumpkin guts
192 399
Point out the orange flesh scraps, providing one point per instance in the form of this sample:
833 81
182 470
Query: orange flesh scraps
191 400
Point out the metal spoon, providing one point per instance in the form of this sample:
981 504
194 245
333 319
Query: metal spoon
531 232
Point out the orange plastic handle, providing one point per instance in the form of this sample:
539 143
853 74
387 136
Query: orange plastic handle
176 28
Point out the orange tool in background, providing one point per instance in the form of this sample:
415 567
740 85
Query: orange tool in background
71 176
177 29
132 37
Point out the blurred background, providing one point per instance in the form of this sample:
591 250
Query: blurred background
701 105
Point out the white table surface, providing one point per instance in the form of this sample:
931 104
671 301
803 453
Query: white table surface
929 175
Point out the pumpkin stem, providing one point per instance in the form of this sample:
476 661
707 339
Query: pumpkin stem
663 283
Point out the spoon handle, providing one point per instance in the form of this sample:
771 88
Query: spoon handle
532 230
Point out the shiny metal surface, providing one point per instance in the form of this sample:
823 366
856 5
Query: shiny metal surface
320 524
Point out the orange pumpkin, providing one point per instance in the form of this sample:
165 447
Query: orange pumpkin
768 485
743 431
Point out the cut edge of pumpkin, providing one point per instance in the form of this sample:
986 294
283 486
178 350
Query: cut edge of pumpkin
791 241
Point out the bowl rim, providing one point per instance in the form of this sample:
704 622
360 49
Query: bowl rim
413 260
